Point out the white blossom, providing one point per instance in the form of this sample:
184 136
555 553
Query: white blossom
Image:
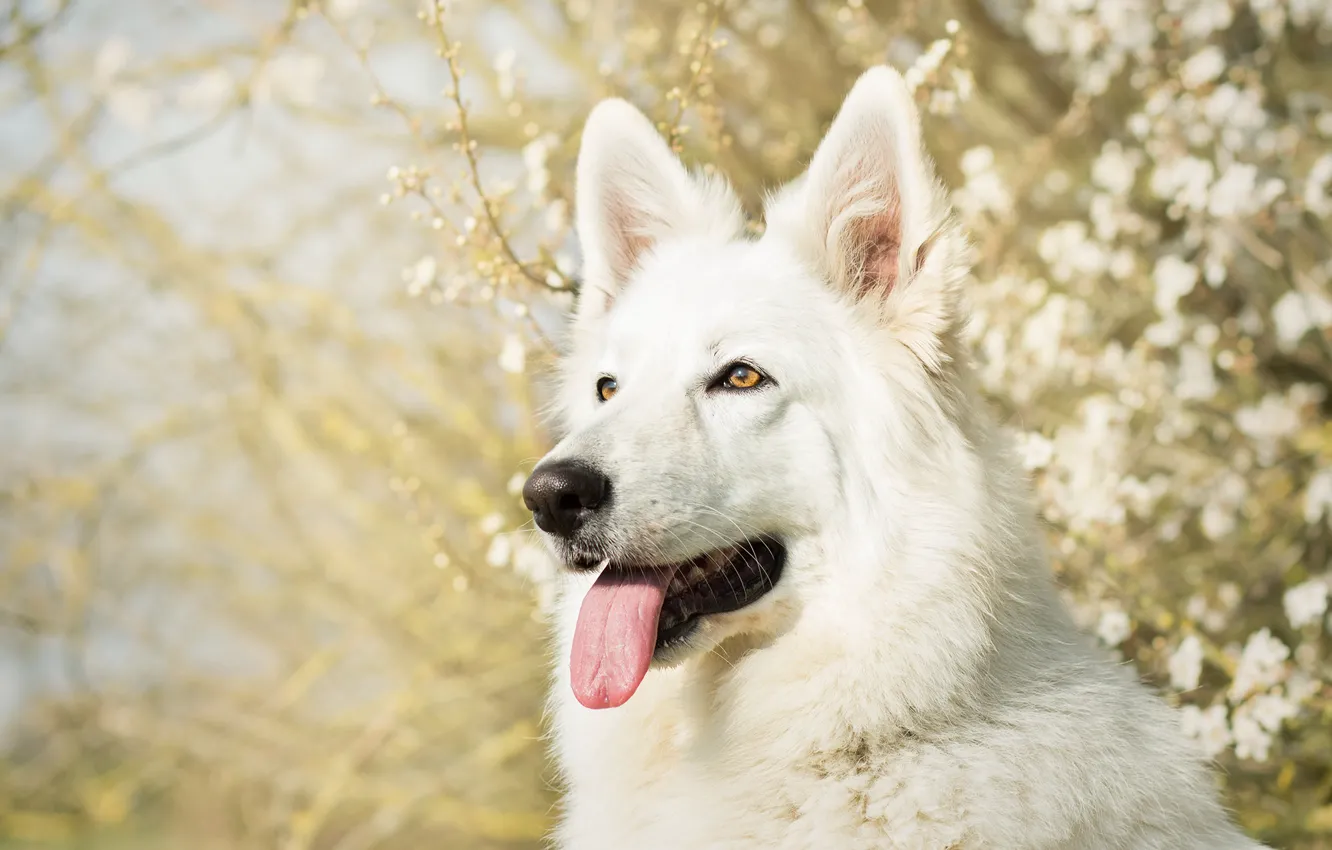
1306 602
1088 460
1273 420
1224 498
111 59
1296 313
209 91
1070 253
1166 333
491 524
513 355
535 154
1114 627
293 77
1201 18
1203 67
1185 665
984 190
515 484
1174 279
1318 496
1197 380
1141 497
1209 727
1261 665
1034 450
500 551
505 81
421 275
1316 197
1235 192
1252 741
1043 333
1115 168
341 10
531 560
132 105
557 215
1271 710
1184 181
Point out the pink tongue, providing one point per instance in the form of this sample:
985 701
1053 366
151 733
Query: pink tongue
615 635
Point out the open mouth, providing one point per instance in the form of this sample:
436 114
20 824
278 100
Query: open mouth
632 615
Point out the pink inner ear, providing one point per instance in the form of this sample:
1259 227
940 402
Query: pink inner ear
626 240
880 243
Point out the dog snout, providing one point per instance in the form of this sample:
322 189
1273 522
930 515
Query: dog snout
563 494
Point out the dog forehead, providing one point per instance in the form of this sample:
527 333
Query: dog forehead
691 306
706 289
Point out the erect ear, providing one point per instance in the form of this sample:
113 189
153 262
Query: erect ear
632 193
872 217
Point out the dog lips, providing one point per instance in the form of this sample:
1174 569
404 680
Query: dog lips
616 635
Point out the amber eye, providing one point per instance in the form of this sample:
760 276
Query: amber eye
741 376
606 388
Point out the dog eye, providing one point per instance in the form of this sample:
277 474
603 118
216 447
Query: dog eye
741 376
606 388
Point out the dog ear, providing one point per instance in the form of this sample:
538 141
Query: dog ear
873 215
632 192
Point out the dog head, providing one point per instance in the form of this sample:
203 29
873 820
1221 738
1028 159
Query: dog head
736 409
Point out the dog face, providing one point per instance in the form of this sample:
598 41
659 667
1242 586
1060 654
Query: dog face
719 387
693 397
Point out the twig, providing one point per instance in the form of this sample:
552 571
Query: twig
701 49
448 50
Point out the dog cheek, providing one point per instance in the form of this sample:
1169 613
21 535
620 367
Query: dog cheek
807 482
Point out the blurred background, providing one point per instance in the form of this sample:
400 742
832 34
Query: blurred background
279 283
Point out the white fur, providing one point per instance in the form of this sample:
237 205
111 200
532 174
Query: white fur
913 681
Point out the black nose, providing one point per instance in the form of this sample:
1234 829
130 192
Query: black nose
561 495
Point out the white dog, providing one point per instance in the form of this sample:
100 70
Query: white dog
807 589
